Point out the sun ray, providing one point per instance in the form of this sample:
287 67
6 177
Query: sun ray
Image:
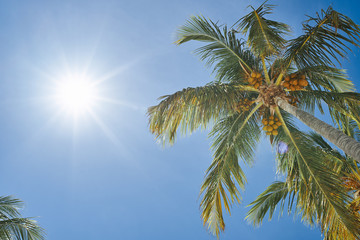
117 71
122 103
108 133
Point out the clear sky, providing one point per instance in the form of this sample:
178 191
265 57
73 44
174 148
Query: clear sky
104 176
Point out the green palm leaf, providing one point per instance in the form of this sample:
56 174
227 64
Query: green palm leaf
268 201
310 201
319 178
9 206
222 43
21 229
323 41
234 137
328 78
265 37
12 226
192 108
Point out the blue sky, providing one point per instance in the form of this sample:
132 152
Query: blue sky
106 177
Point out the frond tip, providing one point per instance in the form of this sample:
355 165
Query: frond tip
265 37
326 39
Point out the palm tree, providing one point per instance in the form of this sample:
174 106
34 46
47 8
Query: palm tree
13 226
257 84
304 198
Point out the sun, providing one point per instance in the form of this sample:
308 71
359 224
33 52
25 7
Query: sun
76 94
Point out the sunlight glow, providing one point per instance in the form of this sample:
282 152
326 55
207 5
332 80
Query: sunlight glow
76 94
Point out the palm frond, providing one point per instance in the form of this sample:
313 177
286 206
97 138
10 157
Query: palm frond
234 137
334 100
310 200
12 226
223 44
265 37
9 206
267 202
328 78
192 108
21 229
343 107
322 183
229 69
325 39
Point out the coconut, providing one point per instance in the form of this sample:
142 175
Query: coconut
274 132
293 75
253 74
258 75
303 83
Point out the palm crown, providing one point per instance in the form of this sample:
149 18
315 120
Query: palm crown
257 84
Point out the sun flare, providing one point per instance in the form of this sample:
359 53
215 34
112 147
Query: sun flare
76 94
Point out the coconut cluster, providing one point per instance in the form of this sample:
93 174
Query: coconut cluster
271 124
295 82
255 79
243 105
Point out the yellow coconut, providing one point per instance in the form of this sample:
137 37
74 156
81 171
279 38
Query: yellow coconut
256 85
258 75
271 117
303 83
275 126
264 121
270 128
302 76
293 75
287 78
253 74
286 84
278 123
292 88
268 133
271 122
274 132
251 79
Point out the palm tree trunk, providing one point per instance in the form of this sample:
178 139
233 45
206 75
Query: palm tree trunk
349 145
